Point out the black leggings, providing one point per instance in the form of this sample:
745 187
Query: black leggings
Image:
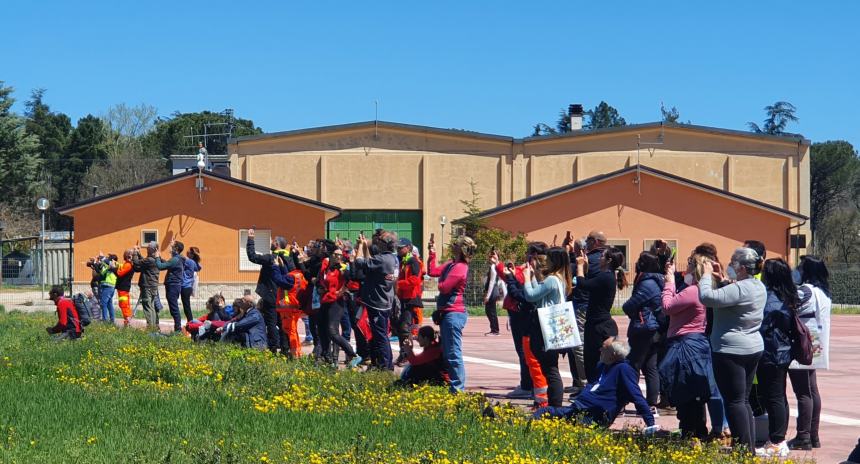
492 315
805 385
771 386
691 419
548 361
734 375
644 349
185 294
404 326
331 314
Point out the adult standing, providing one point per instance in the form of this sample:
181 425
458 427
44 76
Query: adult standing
553 289
777 318
594 246
686 372
173 280
380 271
107 270
266 288
333 280
494 290
147 282
451 305
735 339
410 287
813 276
191 266
600 328
124 274
644 308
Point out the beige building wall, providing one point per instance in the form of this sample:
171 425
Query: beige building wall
390 166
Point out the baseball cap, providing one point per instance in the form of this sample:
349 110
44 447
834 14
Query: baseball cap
404 242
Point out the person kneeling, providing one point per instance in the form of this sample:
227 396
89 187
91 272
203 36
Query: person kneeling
68 323
248 327
203 328
601 401
426 367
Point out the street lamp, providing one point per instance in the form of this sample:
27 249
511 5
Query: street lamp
442 221
42 204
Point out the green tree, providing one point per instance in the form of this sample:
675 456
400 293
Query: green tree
603 116
779 115
841 233
834 173
53 129
20 164
670 115
169 136
86 146
540 129
562 125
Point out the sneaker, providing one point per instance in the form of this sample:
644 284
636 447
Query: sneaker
354 362
816 443
773 450
655 411
308 342
393 338
491 334
667 411
519 394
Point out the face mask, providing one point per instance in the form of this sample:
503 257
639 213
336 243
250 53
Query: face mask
796 277
273 247
688 280
732 273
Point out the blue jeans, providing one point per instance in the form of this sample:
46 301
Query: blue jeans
308 334
173 292
380 348
451 338
345 325
106 302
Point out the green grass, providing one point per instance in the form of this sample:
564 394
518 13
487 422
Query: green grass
125 396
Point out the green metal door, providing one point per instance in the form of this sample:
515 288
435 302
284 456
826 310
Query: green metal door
350 223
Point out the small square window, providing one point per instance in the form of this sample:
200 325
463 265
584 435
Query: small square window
648 243
148 235
624 246
262 240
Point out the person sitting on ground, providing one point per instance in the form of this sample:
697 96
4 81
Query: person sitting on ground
216 316
426 367
248 327
600 402
68 323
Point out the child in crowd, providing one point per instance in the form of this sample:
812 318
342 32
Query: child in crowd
427 366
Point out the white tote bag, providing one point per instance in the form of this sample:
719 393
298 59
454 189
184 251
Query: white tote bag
558 325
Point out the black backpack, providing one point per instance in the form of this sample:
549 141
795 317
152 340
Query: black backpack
82 305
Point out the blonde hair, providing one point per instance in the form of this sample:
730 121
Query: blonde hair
466 246
699 266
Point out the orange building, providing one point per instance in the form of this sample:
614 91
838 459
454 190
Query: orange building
634 206
214 218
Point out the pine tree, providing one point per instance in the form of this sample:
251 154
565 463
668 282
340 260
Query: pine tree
20 164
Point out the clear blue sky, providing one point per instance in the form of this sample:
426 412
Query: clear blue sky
496 67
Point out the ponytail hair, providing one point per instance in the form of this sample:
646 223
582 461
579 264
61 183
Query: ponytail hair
194 254
615 263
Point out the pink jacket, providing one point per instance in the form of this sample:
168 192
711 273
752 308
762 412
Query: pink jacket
686 313
452 284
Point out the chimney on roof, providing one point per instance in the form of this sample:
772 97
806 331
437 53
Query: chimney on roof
575 113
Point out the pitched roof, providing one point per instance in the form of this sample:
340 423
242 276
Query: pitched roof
653 172
787 138
177 177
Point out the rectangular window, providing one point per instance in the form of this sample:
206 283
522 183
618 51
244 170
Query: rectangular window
262 241
624 246
148 235
673 244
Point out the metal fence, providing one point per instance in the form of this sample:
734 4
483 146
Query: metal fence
27 271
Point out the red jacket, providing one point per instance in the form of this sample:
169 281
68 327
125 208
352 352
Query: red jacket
410 281
430 354
67 317
510 303
332 280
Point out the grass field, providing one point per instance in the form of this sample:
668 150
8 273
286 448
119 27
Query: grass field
125 396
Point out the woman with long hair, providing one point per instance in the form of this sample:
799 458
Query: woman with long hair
332 284
813 277
191 266
451 305
735 339
600 328
551 288
782 303
643 332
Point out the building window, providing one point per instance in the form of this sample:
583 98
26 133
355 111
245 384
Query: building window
624 246
673 244
262 241
148 235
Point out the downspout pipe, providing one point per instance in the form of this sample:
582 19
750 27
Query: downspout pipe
788 240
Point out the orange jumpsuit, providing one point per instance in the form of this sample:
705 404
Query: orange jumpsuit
123 285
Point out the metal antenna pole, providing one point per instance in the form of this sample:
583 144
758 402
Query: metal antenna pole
42 264
376 119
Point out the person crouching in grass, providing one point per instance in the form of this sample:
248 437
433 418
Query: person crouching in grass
68 323
426 367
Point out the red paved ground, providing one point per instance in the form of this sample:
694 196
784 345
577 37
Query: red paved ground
840 386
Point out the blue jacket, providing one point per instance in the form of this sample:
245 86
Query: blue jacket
251 330
618 385
776 332
644 308
189 268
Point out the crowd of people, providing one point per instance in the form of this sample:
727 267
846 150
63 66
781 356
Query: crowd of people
712 341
